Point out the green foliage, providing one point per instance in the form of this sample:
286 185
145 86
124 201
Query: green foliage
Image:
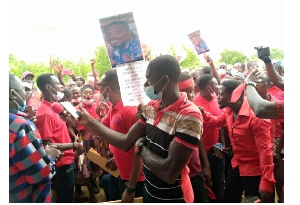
17 67
102 60
80 68
231 57
191 61
275 53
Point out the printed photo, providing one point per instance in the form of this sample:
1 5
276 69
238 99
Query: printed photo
121 39
198 42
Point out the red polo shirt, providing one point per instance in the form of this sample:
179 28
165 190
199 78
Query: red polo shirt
210 133
251 142
120 119
53 128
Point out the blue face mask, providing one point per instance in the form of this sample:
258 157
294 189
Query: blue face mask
149 90
20 108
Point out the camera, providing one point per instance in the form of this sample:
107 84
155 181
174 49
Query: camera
262 51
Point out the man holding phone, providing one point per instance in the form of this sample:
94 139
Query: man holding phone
54 131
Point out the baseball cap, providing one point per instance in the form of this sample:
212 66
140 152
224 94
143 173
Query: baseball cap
25 74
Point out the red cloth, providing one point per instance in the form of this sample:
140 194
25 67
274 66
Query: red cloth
276 92
52 128
276 122
91 110
186 185
120 119
251 142
210 133
237 93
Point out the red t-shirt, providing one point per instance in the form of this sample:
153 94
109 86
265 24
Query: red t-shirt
120 119
91 110
251 143
52 128
210 133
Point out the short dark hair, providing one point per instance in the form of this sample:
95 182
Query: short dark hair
123 23
184 76
251 63
67 93
86 86
166 65
243 66
203 81
42 80
206 70
230 85
81 78
12 81
111 79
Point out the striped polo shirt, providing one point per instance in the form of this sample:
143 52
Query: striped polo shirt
181 122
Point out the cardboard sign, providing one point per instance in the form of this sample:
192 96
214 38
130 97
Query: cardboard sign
95 157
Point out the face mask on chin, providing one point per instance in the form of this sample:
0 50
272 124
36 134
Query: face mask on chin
59 95
221 71
87 102
90 78
20 108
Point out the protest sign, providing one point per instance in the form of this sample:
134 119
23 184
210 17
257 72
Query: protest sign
121 39
200 45
132 77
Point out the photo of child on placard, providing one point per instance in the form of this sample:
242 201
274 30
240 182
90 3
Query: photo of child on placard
198 42
121 39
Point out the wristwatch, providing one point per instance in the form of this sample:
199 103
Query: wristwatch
138 147
129 189
251 83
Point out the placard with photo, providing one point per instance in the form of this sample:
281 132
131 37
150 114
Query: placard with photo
121 39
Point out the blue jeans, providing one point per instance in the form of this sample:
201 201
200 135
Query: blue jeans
110 185
63 183
217 168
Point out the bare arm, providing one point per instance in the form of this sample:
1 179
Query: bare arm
94 74
122 141
261 107
136 169
214 71
276 79
167 169
204 162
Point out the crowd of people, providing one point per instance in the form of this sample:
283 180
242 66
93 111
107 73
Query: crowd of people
211 135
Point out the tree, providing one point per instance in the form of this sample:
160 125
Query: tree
231 57
275 53
102 60
191 61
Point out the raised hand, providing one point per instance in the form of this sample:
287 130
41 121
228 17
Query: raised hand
57 67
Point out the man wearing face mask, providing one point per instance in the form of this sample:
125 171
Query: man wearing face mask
120 118
207 99
54 131
172 126
30 167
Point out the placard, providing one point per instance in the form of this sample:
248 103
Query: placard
132 77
